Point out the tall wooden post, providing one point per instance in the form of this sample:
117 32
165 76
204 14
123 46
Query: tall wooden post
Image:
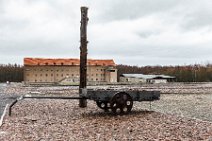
83 56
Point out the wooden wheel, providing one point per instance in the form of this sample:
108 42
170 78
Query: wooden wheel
103 105
121 103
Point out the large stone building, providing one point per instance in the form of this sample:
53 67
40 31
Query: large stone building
47 71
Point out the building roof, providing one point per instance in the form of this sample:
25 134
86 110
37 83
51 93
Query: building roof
65 62
143 76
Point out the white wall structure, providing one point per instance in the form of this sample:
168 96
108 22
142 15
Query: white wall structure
142 78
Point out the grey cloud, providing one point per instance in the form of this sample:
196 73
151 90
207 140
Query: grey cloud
147 34
143 45
152 48
39 48
143 61
125 9
197 20
194 14
13 24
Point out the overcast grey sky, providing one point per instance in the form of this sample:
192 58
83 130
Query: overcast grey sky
134 32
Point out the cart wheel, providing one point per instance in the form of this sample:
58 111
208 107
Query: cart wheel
121 103
103 105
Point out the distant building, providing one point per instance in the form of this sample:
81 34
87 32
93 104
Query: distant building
142 78
47 71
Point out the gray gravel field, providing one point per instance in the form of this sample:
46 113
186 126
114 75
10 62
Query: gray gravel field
4 100
175 97
182 113
64 120
5 97
197 106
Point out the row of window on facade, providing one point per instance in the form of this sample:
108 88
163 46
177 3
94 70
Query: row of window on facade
71 64
66 75
59 70
52 80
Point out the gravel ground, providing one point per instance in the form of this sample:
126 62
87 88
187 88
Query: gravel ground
64 120
10 92
183 113
4 100
196 106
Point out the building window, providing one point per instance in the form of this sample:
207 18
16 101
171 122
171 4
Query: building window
96 79
35 74
40 74
46 75
112 70
46 64
62 75
57 74
62 64
72 75
51 74
96 74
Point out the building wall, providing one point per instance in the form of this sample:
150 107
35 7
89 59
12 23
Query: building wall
156 81
132 80
111 75
140 80
55 74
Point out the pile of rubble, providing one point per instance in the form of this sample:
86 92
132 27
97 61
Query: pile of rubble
64 120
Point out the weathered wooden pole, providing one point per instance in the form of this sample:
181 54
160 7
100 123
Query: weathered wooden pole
83 56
